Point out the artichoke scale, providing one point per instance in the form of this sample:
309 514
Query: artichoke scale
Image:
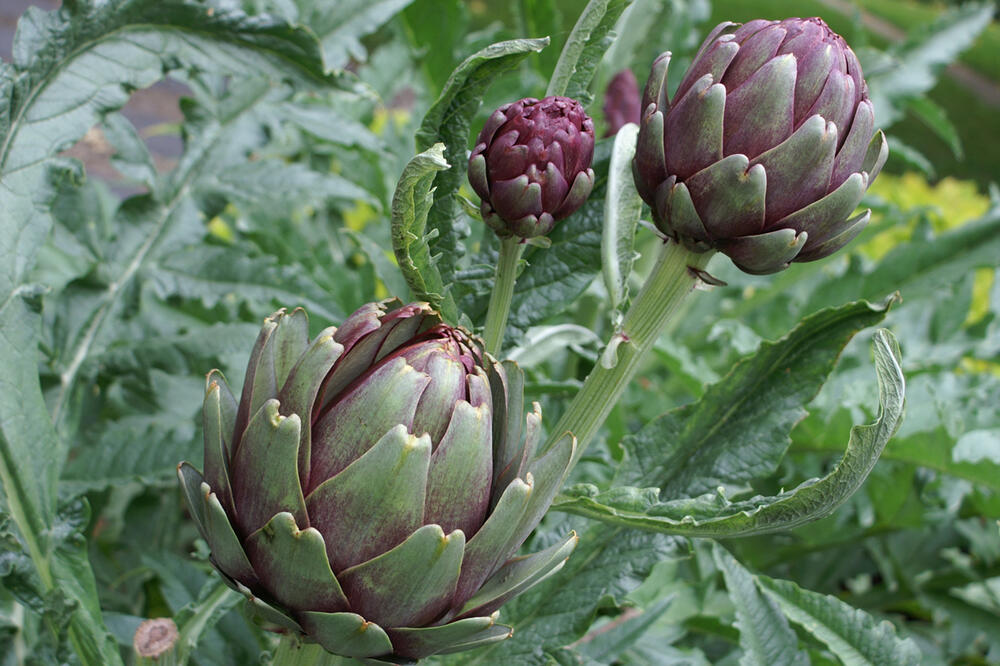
374 503
216 447
287 344
518 575
764 253
461 469
346 634
387 397
759 112
265 472
299 392
693 128
293 566
227 551
487 549
729 197
412 583
799 168
422 642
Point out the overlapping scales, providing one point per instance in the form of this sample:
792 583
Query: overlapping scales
531 165
767 147
394 536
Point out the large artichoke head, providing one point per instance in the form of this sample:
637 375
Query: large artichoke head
531 165
370 488
767 147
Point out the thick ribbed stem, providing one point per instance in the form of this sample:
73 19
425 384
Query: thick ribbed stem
673 277
503 292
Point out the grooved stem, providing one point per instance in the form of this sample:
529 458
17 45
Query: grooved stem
503 292
660 298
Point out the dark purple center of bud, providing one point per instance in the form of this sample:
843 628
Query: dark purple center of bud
526 163
538 133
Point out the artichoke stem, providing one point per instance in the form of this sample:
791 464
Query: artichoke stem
674 276
292 651
503 291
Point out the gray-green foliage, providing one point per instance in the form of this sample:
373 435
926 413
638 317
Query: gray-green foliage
295 182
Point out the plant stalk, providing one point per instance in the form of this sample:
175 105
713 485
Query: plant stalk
659 300
503 291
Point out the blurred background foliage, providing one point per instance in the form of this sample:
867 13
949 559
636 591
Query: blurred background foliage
259 194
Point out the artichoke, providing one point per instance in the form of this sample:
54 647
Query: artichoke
370 488
622 104
531 165
767 147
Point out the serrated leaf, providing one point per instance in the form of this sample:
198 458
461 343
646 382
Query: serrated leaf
132 157
922 265
158 244
850 633
69 68
765 637
273 186
585 46
738 431
937 120
714 515
448 122
543 17
917 62
622 208
341 26
606 565
212 274
327 123
144 446
617 638
411 204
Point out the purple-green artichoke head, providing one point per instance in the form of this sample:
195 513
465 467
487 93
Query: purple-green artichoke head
767 147
531 165
371 487
622 103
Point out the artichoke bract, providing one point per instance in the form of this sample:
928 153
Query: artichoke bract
767 147
622 102
371 487
531 165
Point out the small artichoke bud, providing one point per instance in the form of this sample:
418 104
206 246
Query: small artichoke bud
766 148
531 165
622 104
371 486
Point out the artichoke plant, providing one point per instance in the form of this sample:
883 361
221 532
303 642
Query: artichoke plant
622 103
767 147
370 488
531 165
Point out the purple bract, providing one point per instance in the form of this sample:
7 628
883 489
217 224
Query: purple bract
371 486
531 165
766 148
622 103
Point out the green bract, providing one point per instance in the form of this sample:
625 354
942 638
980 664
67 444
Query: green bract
371 486
766 148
